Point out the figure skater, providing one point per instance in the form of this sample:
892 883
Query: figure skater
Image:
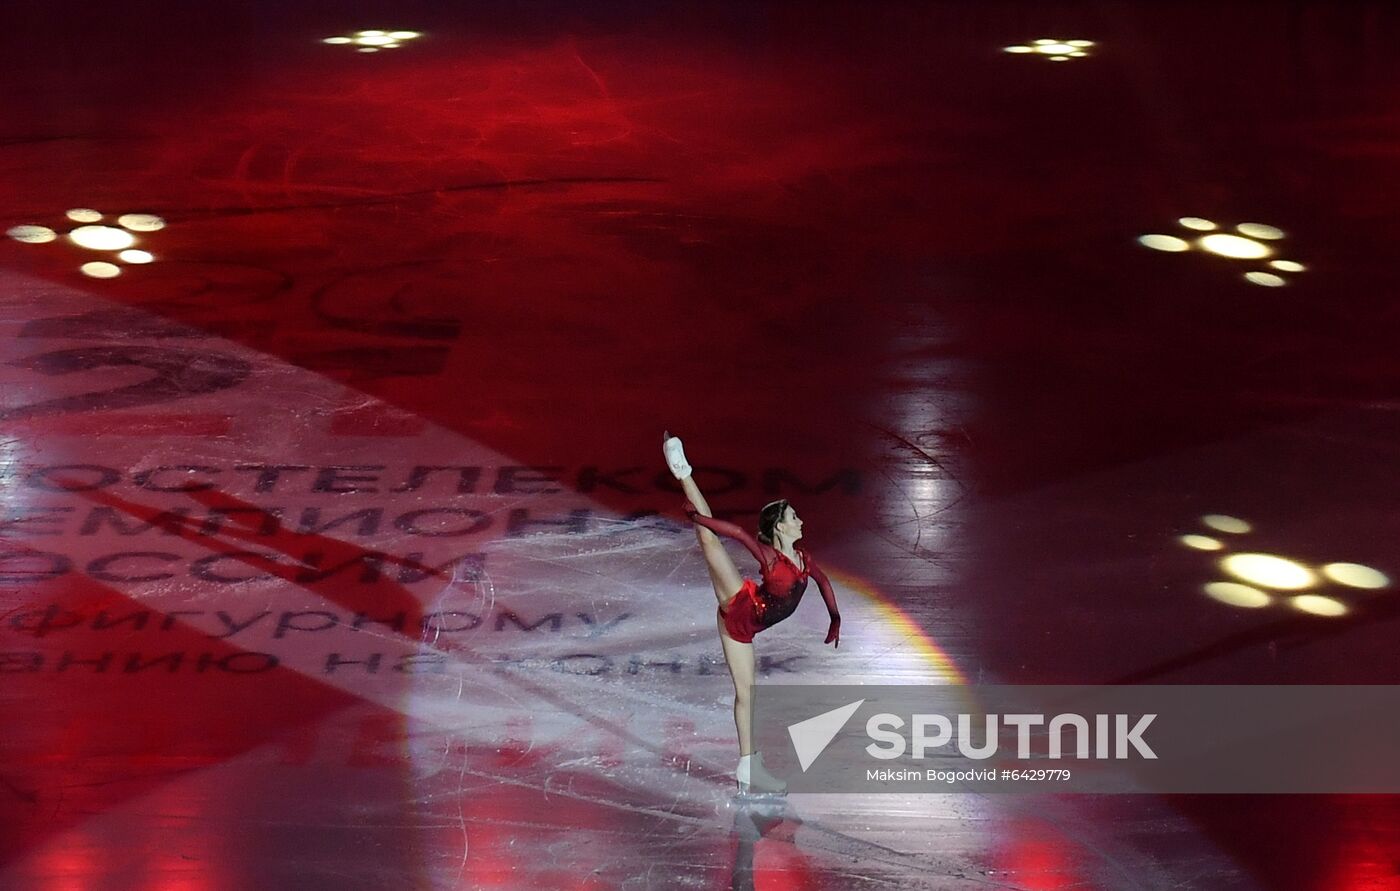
746 608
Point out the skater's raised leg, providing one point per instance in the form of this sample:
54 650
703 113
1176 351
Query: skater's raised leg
723 574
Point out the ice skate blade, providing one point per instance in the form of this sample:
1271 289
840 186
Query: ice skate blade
748 810
747 793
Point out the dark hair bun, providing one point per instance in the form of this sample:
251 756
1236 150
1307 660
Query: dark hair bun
769 517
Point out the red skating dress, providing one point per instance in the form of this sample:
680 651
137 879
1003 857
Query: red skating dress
758 606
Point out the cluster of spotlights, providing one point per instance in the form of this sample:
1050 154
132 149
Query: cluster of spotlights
373 41
1249 241
1053 49
94 235
1265 579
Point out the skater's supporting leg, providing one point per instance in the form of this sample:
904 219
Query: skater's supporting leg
739 657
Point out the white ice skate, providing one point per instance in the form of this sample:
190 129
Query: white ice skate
675 456
755 780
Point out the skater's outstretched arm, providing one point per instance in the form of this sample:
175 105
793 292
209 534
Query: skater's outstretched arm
833 633
728 530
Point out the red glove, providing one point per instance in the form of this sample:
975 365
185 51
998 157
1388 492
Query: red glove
833 634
